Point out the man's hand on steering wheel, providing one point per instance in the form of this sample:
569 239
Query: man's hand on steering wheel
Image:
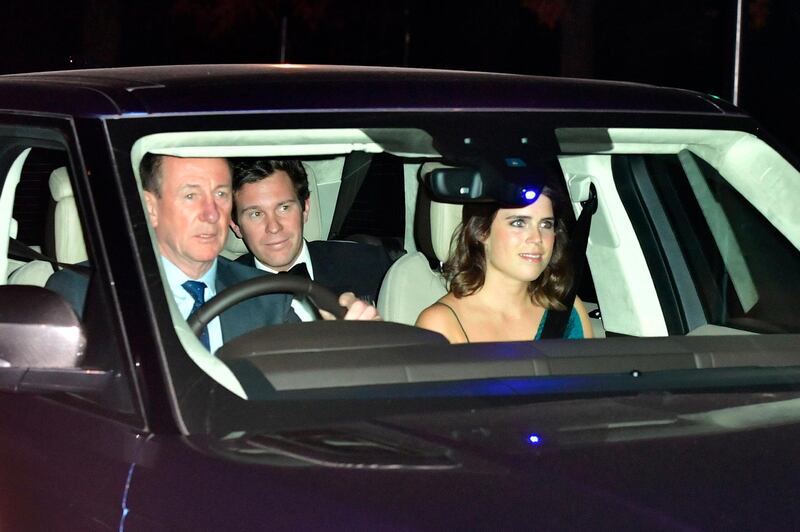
357 309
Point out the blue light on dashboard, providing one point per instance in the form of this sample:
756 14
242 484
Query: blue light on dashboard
534 439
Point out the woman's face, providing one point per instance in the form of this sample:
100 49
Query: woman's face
520 241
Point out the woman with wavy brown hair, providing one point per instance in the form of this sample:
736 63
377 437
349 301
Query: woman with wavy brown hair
509 267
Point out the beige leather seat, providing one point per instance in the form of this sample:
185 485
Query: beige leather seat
68 233
70 247
411 284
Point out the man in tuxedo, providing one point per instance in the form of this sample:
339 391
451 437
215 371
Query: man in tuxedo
189 201
271 204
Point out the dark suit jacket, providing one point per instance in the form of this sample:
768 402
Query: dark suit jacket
246 316
344 266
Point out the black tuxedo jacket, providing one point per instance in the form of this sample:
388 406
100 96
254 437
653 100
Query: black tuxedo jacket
248 315
252 313
344 266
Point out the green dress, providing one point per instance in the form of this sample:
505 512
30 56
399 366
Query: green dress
573 331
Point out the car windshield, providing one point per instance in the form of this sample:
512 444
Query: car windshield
692 253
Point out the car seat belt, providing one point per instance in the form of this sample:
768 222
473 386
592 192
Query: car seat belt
356 166
19 251
556 323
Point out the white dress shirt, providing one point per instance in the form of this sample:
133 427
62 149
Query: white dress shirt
300 307
185 301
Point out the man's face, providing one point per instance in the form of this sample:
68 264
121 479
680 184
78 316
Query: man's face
271 220
191 215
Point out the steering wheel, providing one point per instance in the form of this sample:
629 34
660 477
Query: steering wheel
320 297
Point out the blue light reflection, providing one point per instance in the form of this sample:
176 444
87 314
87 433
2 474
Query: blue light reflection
534 439
515 162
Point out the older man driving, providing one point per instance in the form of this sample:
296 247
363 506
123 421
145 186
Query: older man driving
189 201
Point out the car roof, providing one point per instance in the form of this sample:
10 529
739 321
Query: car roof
247 88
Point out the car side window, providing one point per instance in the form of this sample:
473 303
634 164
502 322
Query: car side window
48 229
47 248
747 270
743 271
376 214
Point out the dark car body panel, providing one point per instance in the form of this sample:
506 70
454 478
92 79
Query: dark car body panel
196 89
69 468
603 463
591 479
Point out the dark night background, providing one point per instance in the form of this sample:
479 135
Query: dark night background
681 43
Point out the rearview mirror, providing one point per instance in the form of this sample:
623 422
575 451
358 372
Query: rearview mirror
455 184
515 183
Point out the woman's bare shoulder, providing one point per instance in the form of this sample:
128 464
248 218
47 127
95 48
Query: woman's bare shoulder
435 313
584 316
440 317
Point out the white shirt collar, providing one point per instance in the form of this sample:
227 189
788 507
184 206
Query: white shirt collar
176 278
184 300
303 256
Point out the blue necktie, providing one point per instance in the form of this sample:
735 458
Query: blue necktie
197 289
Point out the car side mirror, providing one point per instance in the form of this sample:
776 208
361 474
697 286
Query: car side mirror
42 343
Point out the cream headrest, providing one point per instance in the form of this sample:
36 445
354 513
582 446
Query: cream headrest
60 186
445 218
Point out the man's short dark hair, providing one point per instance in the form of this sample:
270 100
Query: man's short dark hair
252 171
150 172
151 175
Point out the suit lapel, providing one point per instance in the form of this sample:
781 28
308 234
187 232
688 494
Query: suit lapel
251 313
225 278
322 271
248 259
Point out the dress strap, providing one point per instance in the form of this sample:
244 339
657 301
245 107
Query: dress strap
456 317
573 330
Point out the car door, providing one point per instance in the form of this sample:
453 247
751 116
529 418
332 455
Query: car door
65 458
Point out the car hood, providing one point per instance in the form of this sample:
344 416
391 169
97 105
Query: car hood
660 462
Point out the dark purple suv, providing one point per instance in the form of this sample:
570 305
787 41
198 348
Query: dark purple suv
683 411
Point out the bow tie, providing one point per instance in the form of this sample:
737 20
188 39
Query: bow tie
299 270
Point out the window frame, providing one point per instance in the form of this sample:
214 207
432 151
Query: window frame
18 132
